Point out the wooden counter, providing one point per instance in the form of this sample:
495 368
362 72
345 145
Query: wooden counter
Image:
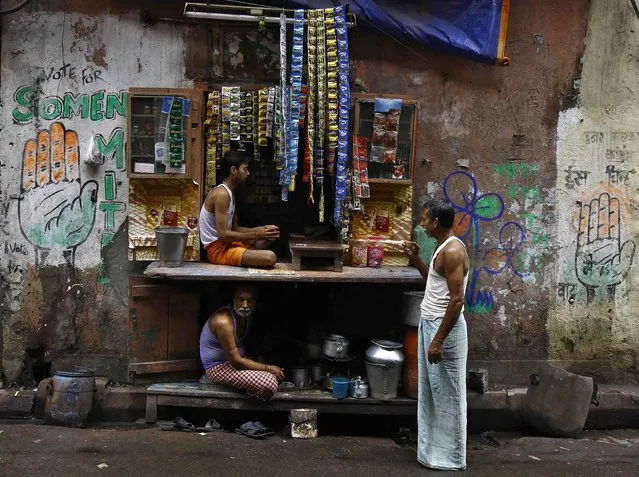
283 272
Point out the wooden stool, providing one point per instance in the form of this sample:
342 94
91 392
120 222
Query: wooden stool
318 249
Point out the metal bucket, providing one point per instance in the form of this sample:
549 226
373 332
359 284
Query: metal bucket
171 245
411 307
70 398
383 380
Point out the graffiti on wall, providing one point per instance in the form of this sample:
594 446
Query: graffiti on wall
51 182
475 211
601 260
56 210
460 189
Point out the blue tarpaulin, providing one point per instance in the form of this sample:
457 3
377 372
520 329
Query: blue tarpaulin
475 29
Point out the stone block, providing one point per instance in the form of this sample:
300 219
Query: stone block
16 403
557 401
123 403
478 380
101 386
41 396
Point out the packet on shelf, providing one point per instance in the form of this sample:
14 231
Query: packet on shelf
375 252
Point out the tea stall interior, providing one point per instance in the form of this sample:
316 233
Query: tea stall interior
360 199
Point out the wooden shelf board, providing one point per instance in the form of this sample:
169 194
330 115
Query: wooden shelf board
283 272
390 181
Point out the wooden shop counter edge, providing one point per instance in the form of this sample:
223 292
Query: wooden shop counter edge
283 272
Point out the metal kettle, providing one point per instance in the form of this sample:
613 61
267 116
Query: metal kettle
359 388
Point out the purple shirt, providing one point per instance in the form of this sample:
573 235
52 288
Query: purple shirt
211 352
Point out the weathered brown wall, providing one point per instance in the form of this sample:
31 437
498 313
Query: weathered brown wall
500 121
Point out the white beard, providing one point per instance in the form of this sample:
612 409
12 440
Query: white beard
243 314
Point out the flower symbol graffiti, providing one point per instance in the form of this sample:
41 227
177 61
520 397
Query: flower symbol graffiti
509 255
460 189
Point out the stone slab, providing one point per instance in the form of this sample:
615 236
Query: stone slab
16 403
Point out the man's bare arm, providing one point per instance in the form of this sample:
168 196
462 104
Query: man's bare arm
270 232
454 258
222 326
218 202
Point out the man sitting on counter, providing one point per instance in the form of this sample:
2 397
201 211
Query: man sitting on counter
227 243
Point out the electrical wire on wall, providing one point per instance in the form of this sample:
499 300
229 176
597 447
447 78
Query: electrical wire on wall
634 6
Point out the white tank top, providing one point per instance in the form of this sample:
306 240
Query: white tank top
208 229
437 294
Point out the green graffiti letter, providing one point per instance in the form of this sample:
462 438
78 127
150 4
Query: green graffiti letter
21 97
116 103
114 147
75 106
50 108
96 106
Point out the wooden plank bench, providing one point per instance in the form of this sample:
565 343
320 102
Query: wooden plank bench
213 396
283 272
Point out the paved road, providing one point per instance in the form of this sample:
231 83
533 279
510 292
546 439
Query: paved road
32 449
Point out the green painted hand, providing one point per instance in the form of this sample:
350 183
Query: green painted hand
56 210
601 259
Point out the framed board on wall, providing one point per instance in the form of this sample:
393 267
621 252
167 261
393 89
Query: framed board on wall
364 115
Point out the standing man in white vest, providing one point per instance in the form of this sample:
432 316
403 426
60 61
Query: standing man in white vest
443 343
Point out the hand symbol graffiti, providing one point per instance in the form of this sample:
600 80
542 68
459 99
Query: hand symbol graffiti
600 259
55 211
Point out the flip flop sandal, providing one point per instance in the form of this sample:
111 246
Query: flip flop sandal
249 429
211 426
177 424
265 431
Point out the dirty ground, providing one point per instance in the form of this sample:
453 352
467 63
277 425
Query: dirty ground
138 450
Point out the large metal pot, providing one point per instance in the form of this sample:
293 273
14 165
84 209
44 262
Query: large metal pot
385 352
336 346
412 307
300 376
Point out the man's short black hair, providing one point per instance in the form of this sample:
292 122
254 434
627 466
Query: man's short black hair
233 158
442 211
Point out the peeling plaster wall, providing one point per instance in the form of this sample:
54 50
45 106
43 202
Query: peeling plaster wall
65 78
497 141
594 313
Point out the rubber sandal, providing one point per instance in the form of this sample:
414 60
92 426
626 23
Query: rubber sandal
249 429
177 424
264 430
211 426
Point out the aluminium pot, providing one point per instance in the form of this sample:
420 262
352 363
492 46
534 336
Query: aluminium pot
336 346
385 352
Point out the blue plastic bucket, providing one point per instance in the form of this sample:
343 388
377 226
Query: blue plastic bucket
340 387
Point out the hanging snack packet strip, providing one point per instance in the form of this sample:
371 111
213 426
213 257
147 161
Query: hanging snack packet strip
344 111
303 99
284 102
262 100
236 104
320 42
212 114
321 107
246 118
331 90
297 60
310 101
256 111
226 118
176 135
